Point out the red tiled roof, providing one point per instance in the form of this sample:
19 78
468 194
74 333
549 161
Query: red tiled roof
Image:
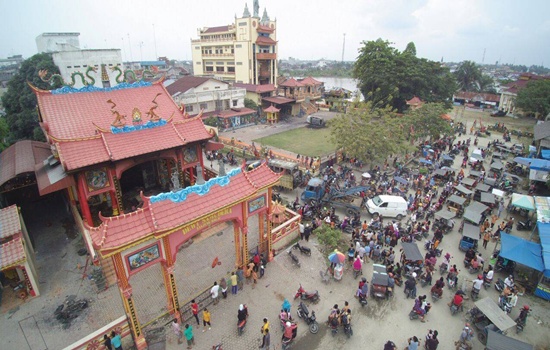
265 40
259 89
9 222
414 101
232 113
277 100
79 125
271 109
12 253
21 157
478 96
291 83
216 29
182 85
165 215
524 79
264 29
310 81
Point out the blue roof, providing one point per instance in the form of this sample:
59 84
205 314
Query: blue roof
544 234
535 163
522 251
545 153
152 63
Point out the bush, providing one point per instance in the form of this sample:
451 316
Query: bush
328 237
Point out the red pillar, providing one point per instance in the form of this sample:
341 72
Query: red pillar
83 200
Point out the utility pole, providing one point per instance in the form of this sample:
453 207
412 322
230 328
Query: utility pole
130 46
483 58
343 47
155 39
140 50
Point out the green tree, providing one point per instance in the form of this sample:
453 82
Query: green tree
383 71
20 101
467 76
534 99
427 121
369 133
249 103
4 133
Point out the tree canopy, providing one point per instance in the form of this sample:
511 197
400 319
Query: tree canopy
427 121
470 78
535 98
20 102
383 71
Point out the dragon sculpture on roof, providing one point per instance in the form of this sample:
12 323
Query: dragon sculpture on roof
44 72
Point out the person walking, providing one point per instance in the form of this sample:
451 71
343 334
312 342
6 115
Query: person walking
240 278
266 340
189 336
195 311
486 238
223 287
214 292
116 341
234 283
206 319
177 330
254 278
107 342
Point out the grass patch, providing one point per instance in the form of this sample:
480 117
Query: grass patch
304 141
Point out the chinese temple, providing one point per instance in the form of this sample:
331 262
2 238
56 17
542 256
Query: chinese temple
141 192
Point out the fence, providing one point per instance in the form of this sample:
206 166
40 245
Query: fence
95 340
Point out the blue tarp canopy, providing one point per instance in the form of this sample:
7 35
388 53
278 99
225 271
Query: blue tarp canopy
544 234
522 251
534 163
545 153
425 161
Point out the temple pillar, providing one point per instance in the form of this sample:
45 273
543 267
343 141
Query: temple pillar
269 224
237 237
169 281
261 233
118 193
244 207
126 293
114 204
83 200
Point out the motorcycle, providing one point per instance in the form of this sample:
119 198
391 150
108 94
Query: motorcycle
217 347
415 314
443 268
524 225
521 320
435 297
286 342
303 249
363 300
311 296
474 293
499 285
295 259
454 308
242 323
348 331
487 283
333 326
504 304
311 320
70 310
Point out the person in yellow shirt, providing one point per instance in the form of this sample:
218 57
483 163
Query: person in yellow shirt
206 319
265 326
234 283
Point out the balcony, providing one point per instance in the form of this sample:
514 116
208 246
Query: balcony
222 55
266 56
264 74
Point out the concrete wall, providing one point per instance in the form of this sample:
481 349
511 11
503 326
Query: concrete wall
70 62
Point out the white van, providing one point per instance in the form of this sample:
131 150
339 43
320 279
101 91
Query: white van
387 206
476 156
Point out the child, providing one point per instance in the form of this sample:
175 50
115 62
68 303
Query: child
206 319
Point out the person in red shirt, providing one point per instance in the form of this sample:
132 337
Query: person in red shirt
195 310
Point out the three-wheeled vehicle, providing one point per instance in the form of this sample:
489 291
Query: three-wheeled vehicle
498 155
470 236
379 284
456 204
292 175
443 220
411 258
499 341
462 191
442 176
447 160
469 183
474 174
488 199
474 211
487 316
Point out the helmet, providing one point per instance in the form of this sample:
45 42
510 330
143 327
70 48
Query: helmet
241 307
364 279
414 274
526 307
480 277
288 324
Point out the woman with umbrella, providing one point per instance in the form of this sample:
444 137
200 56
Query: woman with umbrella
337 260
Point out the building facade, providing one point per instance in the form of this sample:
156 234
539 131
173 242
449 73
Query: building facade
242 52
55 42
89 67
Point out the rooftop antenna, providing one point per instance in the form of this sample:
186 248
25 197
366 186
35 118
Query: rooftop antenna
483 58
140 50
343 47
130 46
155 39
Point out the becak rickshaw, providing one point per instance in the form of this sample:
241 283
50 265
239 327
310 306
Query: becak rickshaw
443 220
411 259
474 211
463 192
456 204
499 341
470 236
488 199
442 176
487 316
468 183
447 160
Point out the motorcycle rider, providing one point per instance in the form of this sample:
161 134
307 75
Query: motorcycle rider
242 314
452 276
288 333
437 289
489 274
466 335
477 284
410 285
391 283
522 318
509 281
458 299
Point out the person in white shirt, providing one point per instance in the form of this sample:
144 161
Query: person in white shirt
214 292
478 283
489 274
509 281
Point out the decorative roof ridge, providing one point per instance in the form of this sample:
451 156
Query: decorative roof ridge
181 195
38 90
106 146
264 166
245 173
187 120
92 88
152 212
178 133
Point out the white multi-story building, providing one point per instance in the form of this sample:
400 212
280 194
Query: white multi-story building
55 42
242 52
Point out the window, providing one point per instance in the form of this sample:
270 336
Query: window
198 62
77 66
229 63
189 108
69 67
232 50
235 103
219 63
203 105
209 68
197 47
239 63
220 69
207 62
242 24
238 46
231 69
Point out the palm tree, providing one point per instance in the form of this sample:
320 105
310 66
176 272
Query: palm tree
468 76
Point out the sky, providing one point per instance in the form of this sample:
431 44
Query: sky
483 31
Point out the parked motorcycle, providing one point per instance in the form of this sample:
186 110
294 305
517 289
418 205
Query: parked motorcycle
294 258
524 225
303 249
304 295
521 320
504 304
70 310
311 320
499 285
